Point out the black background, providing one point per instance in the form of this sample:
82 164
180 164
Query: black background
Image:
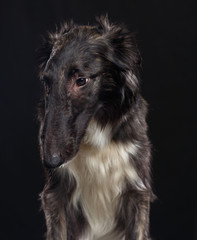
167 36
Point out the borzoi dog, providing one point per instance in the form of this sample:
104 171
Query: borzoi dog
93 135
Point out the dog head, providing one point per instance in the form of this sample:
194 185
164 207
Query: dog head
88 72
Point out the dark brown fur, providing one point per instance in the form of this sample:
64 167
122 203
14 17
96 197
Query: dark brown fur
108 57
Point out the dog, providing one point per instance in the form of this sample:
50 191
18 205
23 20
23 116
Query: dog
93 135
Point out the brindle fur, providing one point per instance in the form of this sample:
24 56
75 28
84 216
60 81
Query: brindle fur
107 55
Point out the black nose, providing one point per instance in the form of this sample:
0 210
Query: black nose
54 162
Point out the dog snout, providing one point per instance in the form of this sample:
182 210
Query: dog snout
53 162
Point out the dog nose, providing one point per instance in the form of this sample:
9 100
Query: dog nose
54 161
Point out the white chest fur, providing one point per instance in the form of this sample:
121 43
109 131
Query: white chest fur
100 169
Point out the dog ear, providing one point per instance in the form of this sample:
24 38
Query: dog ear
44 52
122 43
48 42
122 47
123 52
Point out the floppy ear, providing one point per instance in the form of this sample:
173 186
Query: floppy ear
44 52
48 43
123 52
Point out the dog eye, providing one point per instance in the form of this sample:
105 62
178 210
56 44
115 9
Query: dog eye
81 81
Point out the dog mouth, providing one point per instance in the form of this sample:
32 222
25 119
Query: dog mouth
63 137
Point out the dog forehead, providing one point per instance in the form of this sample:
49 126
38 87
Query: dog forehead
82 48
76 50
80 54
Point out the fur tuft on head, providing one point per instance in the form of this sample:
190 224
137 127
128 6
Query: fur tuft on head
104 24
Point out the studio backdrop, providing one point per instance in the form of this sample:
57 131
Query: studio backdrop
166 34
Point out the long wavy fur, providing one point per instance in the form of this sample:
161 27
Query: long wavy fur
93 135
